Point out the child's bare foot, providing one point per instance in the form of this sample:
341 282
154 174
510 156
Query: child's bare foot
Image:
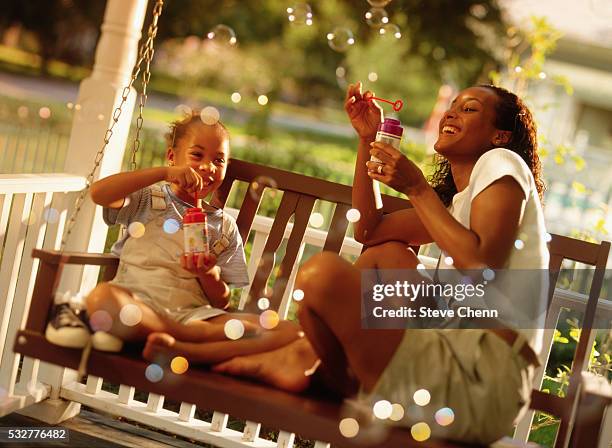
297 360
159 348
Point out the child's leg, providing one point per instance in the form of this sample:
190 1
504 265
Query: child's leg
112 298
160 345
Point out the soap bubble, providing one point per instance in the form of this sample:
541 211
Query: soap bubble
51 215
136 229
179 365
438 53
263 303
171 226
382 409
234 329
379 3
154 373
353 215
259 184
444 416
183 109
222 35
300 14
373 76
488 274
422 397
420 432
130 315
340 39
349 427
210 115
236 97
44 112
269 319
298 295
100 321
316 220
341 77
376 17
390 30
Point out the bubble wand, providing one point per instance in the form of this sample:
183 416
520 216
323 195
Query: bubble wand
397 105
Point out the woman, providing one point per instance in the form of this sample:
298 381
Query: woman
485 192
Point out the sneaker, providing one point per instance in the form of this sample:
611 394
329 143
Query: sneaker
106 342
67 327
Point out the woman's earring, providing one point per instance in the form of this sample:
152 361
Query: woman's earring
170 163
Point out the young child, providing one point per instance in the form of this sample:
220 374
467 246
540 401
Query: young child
158 288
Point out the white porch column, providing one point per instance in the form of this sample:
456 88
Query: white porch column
98 96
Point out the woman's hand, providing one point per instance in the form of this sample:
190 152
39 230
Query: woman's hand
199 264
185 177
396 170
364 113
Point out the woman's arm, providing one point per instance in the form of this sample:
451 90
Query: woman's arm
494 216
494 221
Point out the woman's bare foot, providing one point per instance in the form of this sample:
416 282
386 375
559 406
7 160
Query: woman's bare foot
297 360
159 348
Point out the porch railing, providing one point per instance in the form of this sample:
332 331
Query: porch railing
33 214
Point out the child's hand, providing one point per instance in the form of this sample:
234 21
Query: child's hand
199 264
185 178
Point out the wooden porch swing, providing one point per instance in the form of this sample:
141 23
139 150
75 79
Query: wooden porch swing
310 415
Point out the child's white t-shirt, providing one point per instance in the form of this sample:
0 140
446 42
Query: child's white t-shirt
531 253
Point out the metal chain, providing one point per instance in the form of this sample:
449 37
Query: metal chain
145 53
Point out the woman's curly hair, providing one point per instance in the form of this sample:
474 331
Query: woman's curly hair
511 114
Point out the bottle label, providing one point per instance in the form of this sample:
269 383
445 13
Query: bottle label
196 237
391 139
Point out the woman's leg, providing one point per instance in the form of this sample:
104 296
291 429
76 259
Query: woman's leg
112 298
331 317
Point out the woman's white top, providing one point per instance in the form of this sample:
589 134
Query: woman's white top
529 254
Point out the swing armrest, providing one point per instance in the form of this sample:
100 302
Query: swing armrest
56 257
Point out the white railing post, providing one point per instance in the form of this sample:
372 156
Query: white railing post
98 96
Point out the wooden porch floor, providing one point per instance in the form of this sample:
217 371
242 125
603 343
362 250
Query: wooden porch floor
94 430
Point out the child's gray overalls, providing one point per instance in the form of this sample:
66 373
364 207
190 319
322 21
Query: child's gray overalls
150 268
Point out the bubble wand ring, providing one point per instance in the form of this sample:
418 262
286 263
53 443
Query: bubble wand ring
397 105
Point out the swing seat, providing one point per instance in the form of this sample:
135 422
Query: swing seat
313 414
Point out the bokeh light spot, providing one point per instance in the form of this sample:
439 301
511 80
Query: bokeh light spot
136 229
353 215
51 215
397 412
420 431
444 416
44 112
422 397
100 321
269 319
298 295
449 261
236 97
349 427
179 365
210 115
171 226
519 244
130 315
316 220
382 409
154 373
263 303
234 329
262 100
488 274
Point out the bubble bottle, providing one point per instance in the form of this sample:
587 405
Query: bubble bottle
195 232
389 131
